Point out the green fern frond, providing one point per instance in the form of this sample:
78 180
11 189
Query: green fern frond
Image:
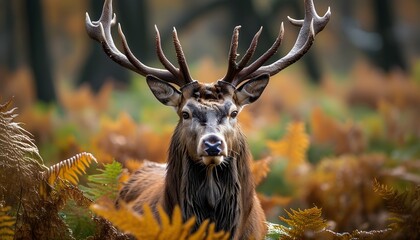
68 169
105 183
78 219
6 223
302 223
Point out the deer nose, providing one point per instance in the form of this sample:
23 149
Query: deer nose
213 145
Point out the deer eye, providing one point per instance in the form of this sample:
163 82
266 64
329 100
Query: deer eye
185 115
234 114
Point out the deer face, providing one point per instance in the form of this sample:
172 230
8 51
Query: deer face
208 114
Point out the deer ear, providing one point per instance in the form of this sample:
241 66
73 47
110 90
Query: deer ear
163 91
250 91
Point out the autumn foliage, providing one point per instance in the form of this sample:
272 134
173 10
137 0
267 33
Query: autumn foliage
339 161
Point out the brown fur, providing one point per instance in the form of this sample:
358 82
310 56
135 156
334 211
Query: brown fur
208 173
225 194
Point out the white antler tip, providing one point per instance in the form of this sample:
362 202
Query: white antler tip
114 19
328 13
295 21
119 28
312 29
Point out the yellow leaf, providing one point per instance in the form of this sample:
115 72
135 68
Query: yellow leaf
146 226
303 222
344 137
260 169
123 218
293 145
201 231
123 178
120 140
269 202
149 224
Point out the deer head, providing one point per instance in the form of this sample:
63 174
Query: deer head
208 112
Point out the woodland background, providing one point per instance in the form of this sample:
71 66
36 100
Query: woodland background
326 131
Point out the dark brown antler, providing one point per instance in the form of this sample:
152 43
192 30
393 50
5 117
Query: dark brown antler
311 25
101 31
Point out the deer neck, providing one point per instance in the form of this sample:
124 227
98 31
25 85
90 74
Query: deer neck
207 192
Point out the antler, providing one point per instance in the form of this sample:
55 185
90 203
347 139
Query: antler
101 31
311 25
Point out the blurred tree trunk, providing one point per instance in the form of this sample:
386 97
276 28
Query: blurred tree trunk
39 57
242 12
134 18
389 55
8 44
133 15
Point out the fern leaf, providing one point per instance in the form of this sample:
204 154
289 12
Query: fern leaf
14 140
20 165
19 157
269 202
201 231
106 183
6 223
174 226
68 169
146 226
260 169
122 218
294 144
303 222
150 225
395 201
404 208
187 228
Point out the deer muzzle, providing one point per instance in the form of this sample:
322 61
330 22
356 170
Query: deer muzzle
212 148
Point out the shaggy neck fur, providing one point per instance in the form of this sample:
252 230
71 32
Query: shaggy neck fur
222 194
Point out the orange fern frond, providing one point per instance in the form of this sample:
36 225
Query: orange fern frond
6 223
303 222
343 137
294 144
404 208
146 226
269 202
260 169
68 169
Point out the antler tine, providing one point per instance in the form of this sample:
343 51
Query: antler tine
233 54
101 31
251 50
234 68
165 62
311 25
243 75
183 67
140 68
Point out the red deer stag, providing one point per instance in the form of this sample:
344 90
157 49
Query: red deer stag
208 170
